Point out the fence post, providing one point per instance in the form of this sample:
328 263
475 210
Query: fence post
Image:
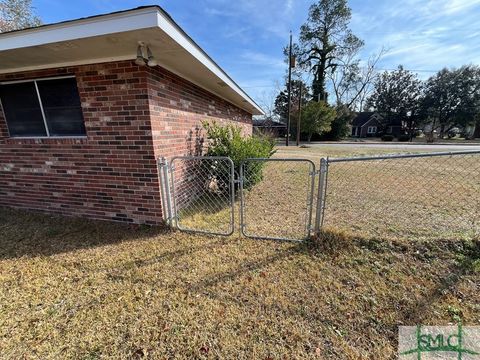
322 191
165 190
241 180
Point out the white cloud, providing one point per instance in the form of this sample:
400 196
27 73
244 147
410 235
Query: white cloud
454 6
288 6
249 35
258 58
274 18
424 35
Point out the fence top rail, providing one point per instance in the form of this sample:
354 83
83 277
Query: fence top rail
280 159
186 157
403 156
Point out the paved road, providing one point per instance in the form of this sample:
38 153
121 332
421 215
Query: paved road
400 147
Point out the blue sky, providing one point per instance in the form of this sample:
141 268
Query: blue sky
246 37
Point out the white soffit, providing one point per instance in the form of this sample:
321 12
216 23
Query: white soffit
114 37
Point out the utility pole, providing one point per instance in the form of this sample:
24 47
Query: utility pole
289 89
299 113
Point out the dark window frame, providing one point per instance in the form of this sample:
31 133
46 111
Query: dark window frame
45 122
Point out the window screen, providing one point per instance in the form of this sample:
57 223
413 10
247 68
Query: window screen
62 113
22 109
61 104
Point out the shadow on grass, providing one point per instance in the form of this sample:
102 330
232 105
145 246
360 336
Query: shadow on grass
466 253
333 244
170 255
31 234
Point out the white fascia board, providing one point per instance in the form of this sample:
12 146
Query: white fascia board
151 17
184 41
68 31
369 121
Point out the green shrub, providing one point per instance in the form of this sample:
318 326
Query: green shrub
227 140
403 137
387 137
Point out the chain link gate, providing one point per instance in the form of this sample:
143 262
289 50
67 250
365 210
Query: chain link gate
199 195
276 198
428 195
202 190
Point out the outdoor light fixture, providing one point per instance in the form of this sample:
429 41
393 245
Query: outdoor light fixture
140 61
151 60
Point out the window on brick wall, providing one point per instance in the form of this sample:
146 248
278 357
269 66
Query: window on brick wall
43 107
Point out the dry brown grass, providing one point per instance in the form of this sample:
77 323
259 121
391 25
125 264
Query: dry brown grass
79 289
315 153
278 205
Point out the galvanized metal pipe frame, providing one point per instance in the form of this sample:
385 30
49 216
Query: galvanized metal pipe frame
231 193
321 196
171 210
310 192
403 156
325 162
165 192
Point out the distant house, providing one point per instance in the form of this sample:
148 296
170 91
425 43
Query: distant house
367 124
371 123
270 127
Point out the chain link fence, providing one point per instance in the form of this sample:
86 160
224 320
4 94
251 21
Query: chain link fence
431 196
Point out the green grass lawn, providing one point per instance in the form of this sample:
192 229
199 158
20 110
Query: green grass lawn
80 289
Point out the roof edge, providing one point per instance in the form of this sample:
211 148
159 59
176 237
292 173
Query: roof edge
164 22
92 17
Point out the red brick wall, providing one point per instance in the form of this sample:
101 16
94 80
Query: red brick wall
178 107
112 173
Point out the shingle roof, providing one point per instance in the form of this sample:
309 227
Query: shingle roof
362 118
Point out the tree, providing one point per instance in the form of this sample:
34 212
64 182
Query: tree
324 38
281 103
476 133
351 82
452 98
396 96
266 100
340 125
317 118
17 14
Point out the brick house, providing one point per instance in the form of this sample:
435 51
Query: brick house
367 124
89 105
373 124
